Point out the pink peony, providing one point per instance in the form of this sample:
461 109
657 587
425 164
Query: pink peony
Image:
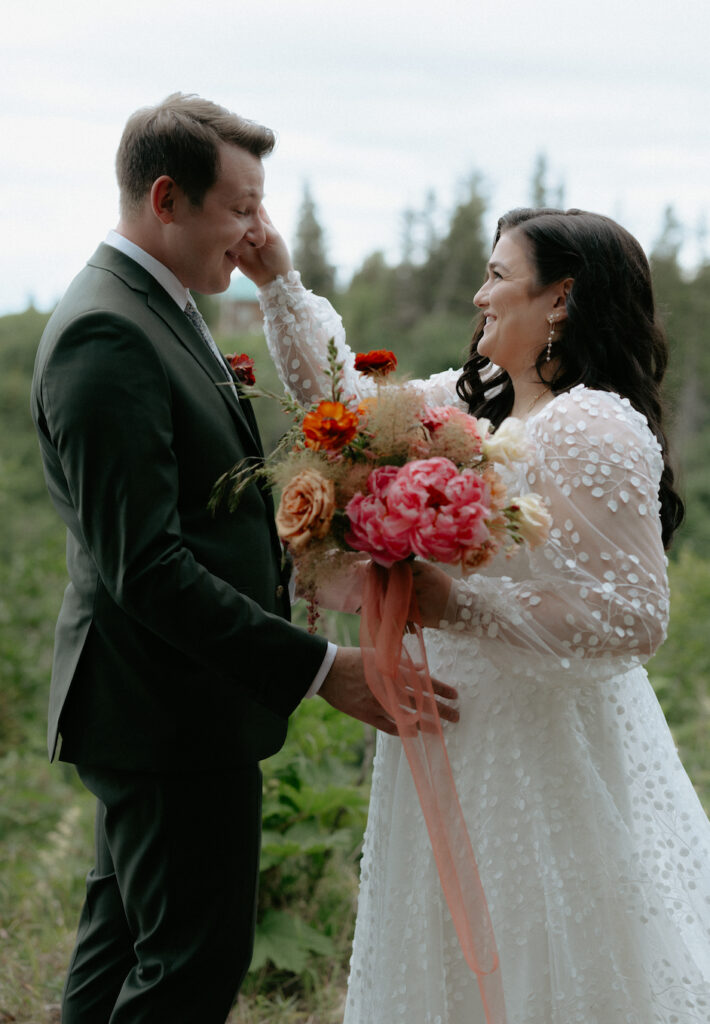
427 508
434 417
371 532
379 480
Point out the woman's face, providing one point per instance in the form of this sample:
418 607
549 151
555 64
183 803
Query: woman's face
516 311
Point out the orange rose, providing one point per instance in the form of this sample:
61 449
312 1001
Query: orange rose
330 426
306 509
377 363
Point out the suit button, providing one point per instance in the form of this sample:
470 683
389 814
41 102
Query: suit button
280 590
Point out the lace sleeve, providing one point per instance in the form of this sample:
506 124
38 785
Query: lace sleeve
298 326
598 588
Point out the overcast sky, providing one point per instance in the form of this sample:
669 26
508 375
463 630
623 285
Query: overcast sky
374 104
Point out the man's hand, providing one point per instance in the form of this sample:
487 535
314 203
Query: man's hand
345 688
265 262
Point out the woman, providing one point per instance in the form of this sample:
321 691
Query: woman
593 849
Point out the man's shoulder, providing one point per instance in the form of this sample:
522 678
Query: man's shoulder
109 282
111 287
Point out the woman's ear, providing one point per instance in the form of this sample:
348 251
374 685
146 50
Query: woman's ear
559 307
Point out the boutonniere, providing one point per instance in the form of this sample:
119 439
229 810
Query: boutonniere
243 367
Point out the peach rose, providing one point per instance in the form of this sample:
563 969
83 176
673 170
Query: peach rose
306 509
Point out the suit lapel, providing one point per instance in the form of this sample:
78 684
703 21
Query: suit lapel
165 307
161 304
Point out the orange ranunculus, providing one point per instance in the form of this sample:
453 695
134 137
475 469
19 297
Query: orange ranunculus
377 363
330 426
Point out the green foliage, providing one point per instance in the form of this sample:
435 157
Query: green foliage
286 941
680 671
314 812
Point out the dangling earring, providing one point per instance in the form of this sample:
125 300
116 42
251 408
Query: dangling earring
550 338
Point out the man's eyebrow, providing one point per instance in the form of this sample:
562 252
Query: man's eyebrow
249 193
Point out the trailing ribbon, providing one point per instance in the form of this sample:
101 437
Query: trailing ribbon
404 688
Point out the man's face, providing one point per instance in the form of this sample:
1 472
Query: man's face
207 239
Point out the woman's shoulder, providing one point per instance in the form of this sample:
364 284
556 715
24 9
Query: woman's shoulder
588 406
596 418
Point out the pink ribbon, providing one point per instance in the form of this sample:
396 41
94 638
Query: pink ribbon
404 688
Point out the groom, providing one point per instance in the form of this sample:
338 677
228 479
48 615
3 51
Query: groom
176 667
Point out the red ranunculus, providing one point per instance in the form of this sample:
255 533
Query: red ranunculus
243 367
377 363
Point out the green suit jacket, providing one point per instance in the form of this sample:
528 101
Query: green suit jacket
173 645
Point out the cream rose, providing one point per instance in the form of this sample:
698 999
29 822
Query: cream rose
306 509
508 444
532 520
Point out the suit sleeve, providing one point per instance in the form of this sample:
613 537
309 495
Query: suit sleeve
108 413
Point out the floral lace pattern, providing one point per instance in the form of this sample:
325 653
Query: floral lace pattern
592 846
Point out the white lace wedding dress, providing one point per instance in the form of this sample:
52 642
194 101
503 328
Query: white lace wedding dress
593 849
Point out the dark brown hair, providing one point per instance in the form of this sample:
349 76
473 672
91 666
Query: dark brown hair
180 137
612 339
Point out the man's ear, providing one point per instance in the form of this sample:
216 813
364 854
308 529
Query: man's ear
562 290
163 198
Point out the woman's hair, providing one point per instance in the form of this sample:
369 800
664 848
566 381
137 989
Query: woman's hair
180 137
612 339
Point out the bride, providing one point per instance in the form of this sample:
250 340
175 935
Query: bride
593 849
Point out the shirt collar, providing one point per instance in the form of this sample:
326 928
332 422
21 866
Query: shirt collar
175 289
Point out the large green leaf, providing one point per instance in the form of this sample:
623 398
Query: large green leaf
287 942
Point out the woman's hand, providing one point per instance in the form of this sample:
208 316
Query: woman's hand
432 587
262 263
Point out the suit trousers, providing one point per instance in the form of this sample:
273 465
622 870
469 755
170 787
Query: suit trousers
167 928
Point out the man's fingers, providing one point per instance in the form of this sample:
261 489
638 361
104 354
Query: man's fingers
444 690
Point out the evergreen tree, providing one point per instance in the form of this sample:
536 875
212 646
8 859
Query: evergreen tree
309 251
684 301
541 194
456 264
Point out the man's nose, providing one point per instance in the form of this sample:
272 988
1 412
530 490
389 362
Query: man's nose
256 233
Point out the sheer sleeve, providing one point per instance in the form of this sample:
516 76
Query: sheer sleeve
298 326
597 590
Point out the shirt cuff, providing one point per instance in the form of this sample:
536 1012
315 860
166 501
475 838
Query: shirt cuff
323 671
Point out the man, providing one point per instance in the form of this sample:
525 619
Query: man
175 666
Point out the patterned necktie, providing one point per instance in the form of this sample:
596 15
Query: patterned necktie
195 317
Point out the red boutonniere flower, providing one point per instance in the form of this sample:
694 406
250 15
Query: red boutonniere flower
243 367
377 363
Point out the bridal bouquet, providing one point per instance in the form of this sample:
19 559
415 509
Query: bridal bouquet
392 477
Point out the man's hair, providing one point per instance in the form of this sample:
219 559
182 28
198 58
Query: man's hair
180 137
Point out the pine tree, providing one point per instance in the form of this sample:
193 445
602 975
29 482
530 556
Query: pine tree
309 251
541 194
